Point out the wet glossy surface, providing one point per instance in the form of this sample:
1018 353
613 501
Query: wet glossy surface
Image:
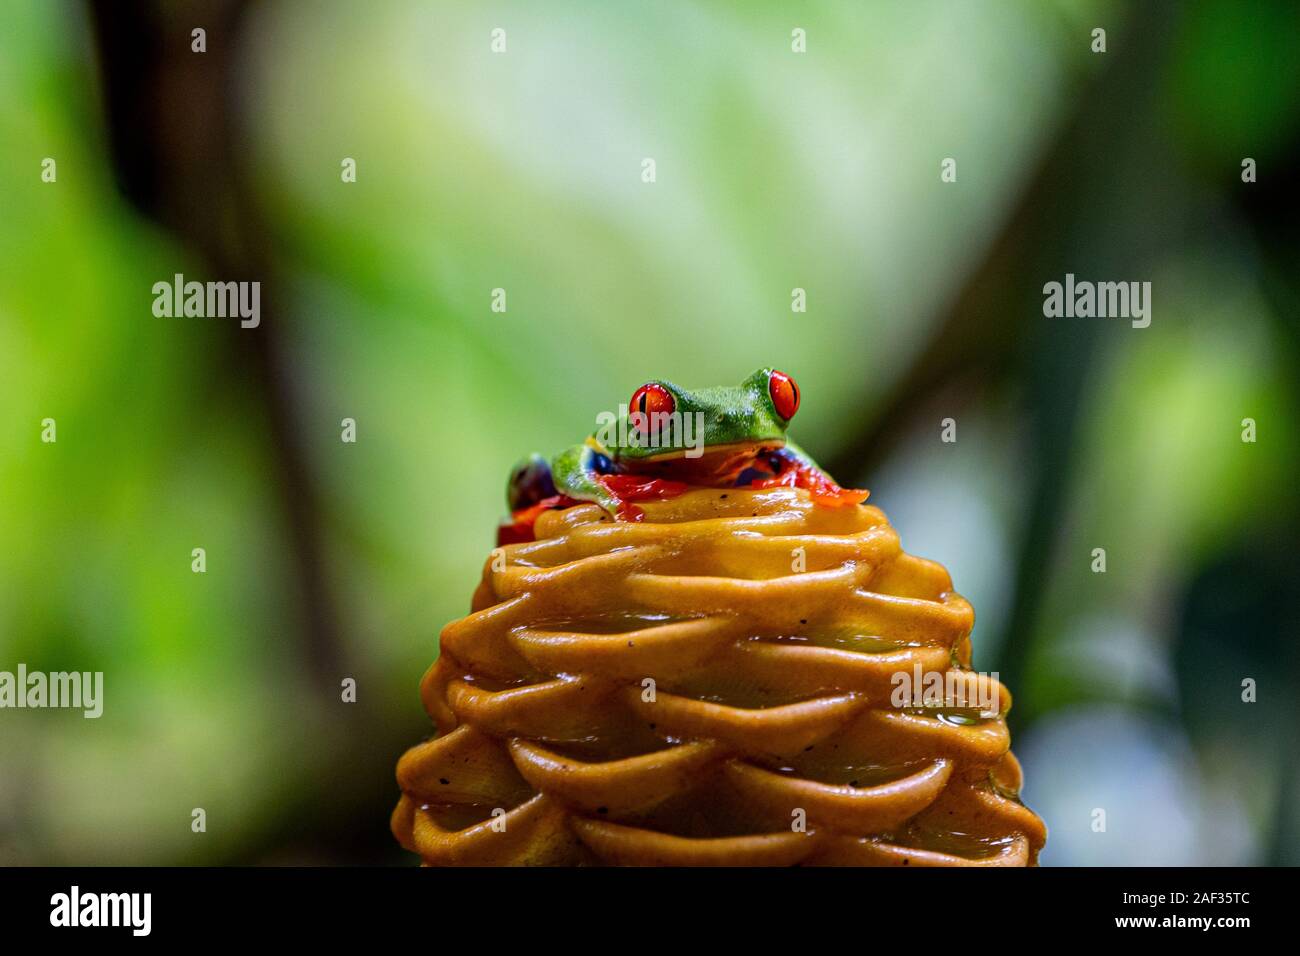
713 684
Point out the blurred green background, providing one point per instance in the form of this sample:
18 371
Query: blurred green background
522 171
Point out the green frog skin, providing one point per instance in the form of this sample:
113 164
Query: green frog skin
668 438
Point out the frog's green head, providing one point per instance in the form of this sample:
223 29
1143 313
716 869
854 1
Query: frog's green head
664 421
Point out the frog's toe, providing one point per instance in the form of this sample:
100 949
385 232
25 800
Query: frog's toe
530 482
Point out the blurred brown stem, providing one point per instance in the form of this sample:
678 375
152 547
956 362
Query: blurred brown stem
179 155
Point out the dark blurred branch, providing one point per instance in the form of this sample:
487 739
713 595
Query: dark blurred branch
179 155
981 343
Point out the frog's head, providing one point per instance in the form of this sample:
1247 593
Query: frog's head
664 422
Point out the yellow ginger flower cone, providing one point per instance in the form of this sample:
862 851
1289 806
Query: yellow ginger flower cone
718 684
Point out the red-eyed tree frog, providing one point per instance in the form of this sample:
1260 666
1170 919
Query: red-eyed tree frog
667 439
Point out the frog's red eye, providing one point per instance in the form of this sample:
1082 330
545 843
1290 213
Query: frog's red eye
785 394
652 400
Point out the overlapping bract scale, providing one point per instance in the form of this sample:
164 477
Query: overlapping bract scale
713 685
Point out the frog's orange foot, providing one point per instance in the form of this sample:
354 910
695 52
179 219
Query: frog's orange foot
626 511
817 483
520 527
625 490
